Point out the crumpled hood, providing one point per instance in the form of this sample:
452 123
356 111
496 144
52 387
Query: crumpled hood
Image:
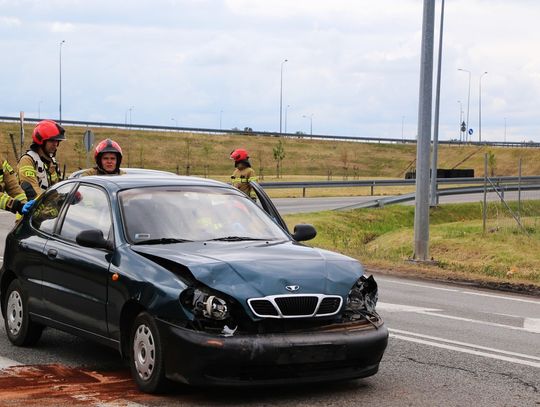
256 269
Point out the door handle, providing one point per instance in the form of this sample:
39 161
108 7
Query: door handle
52 253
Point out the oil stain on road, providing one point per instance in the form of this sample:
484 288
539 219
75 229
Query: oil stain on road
55 385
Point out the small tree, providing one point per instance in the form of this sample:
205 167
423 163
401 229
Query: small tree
207 149
492 163
279 155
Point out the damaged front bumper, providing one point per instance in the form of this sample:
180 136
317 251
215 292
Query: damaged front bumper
344 351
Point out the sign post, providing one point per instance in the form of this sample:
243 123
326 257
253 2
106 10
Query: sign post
88 141
21 115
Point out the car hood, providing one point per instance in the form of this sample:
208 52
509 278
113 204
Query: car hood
255 269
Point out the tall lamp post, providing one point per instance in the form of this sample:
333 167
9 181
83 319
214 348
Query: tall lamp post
175 121
505 129
60 88
310 117
402 126
468 100
281 94
286 109
220 116
460 119
480 107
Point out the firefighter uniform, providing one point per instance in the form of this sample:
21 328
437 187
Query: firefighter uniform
241 178
37 173
99 171
12 196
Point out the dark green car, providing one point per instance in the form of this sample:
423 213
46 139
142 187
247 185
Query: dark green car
191 281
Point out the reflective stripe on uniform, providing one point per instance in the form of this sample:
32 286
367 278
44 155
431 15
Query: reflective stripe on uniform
4 199
20 197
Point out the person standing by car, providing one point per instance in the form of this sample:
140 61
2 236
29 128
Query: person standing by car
108 157
12 196
243 173
38 168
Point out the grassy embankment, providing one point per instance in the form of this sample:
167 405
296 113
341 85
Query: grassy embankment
380 237
383 238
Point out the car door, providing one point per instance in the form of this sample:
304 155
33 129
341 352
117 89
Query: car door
266 203
75 277
29 256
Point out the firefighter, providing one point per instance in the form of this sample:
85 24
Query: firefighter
243 172
38 168
12 197
108 157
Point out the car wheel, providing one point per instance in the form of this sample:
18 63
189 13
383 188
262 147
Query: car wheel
20 329
146 362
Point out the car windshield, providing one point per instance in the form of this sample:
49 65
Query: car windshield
164 215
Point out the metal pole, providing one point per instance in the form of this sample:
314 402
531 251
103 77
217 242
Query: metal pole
286 109
402 125
505 129
60 87
434 196
460 120
421 213
468 102
484 206
281 95
311 125
519 190
480 107
220 116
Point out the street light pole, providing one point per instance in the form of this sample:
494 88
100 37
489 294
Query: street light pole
175 121
480 108
468 101
505 129
460 119
220 116
130 109
60 87
402 125
281 95
286 110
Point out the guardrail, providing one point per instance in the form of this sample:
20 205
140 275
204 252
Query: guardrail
269 133
394 182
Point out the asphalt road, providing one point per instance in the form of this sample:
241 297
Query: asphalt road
450 345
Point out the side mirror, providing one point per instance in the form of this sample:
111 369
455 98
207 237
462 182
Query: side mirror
304 232
93 238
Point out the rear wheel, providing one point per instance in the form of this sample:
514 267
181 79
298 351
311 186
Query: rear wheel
146 361
20 329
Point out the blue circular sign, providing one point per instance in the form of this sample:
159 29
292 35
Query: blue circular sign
470 132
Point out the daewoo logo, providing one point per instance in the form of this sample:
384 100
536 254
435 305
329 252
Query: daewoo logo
292 287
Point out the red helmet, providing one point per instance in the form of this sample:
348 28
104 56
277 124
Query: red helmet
239 155
108 146
47 130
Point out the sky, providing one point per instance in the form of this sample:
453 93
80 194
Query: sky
353 66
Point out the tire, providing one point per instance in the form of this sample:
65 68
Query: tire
20 329
146 355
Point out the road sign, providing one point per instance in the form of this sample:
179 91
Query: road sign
88 140
463 127
470 132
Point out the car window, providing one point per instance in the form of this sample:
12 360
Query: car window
45 214
89 209
194 213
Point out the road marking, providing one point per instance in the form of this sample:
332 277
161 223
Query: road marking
5 363
529 324
457 290
464 347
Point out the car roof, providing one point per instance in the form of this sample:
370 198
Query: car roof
128 181
129 170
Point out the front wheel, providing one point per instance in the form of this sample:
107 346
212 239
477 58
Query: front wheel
20 329
146 361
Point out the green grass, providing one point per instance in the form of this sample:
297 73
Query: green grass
384 238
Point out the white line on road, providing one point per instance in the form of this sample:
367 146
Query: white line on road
529 324
5 363
457 290
469 351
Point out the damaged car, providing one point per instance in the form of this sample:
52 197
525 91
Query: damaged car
192 281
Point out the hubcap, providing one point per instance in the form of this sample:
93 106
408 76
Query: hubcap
144 352
14 313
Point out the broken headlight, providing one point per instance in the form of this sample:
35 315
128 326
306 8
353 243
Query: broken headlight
363 296
205 304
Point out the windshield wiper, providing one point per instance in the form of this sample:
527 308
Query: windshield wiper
235 238
163 240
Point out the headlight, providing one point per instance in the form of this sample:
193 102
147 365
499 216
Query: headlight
363 295
204 304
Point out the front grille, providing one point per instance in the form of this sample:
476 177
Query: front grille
295 306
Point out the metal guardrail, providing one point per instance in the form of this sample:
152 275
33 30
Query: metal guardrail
269 133
392 182
441 192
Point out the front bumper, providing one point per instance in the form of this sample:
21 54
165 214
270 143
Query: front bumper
198 358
